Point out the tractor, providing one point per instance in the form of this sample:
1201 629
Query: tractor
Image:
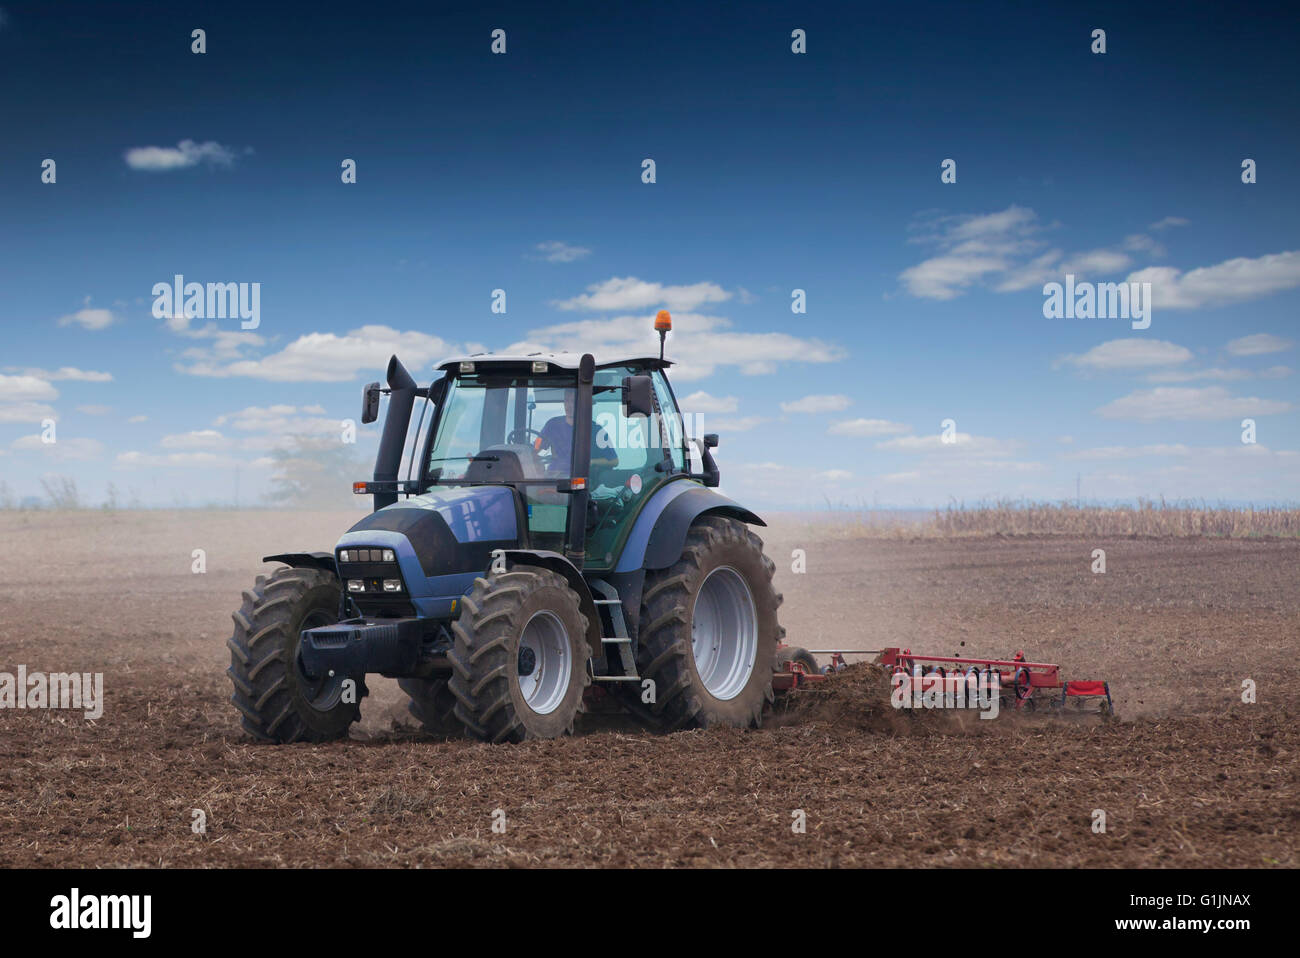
557 541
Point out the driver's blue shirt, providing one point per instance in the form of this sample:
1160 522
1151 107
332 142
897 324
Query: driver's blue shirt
557 435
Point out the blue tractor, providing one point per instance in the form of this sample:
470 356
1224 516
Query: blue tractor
555 543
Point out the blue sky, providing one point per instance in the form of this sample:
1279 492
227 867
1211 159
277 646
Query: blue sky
775 171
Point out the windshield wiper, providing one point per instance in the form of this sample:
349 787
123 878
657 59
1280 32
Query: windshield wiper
468 458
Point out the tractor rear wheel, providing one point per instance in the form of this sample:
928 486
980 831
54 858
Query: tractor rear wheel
279 702
519 657
433 705
709 629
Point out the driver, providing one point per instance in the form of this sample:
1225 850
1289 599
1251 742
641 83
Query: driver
557 435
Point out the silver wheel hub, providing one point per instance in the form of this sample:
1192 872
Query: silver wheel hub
545 662
724 633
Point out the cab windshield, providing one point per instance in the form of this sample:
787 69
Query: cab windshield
504 429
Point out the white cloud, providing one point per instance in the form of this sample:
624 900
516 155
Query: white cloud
1216 374
623 293
134 419
867 427
817 403
186 153
555 251
88 318
1178 402
1096 262
833 475
195 439
1232 281
1131 452
1259 344
70 373
70 448
700 342
703 402
328 357
946 277
1133 353
225 344
278 422
22 388
181 460
28 412
972 247
964 444
1167 222
744 424
1141 243
94 409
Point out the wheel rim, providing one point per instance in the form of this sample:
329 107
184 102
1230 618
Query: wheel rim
724 633
545 662
325 692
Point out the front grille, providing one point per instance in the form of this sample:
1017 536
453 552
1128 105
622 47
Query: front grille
364 569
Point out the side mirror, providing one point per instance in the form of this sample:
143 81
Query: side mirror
638 395
711 440
370 402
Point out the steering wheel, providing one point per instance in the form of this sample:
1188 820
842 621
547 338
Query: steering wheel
522 436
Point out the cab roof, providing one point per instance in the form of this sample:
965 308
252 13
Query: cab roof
562 360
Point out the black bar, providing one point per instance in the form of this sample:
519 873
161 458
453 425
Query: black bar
576 540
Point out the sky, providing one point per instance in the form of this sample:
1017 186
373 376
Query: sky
923 369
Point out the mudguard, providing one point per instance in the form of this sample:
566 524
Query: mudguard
659 534
306 560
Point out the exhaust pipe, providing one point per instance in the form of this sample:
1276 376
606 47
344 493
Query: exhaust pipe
388 461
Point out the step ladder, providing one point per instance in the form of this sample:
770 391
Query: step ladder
620 638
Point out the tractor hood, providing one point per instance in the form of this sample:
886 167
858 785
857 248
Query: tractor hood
442 532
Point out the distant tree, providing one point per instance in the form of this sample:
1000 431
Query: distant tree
6 498
61 491
314 473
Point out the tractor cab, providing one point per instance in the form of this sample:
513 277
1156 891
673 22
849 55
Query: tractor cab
514 421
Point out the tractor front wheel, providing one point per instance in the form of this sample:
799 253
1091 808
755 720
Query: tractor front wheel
519 657
709 629
433 705
277 700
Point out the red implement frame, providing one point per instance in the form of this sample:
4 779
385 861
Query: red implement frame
1015 673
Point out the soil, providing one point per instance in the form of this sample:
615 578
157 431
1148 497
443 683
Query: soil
1190 775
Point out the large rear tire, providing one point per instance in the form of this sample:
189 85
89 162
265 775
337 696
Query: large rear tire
433 705
277 701
519 657
709 629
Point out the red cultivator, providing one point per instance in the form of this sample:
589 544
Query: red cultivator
1026 684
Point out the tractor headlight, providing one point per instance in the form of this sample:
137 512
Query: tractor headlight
389 556
392 585
343 555
356 585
